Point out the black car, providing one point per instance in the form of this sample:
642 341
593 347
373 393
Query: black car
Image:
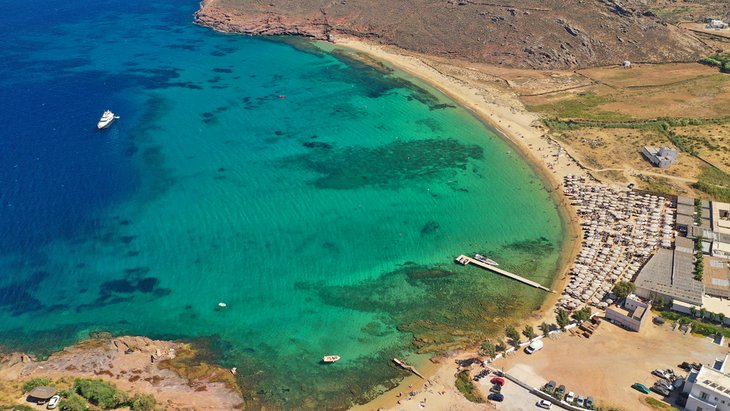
660 389
685 366
550 386
496 397
560 391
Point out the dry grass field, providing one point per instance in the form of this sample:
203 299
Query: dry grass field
640 93
606 122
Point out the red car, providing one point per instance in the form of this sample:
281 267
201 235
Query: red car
497 380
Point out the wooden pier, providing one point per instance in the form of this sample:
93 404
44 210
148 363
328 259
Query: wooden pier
464 260
407 367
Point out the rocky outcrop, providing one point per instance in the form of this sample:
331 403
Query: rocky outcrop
230 20
543 34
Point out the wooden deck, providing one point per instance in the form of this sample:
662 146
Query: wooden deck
464 260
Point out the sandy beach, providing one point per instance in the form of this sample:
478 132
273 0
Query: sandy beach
501 111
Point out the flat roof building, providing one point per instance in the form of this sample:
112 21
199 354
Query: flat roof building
669 274
661 157
632 314
709 388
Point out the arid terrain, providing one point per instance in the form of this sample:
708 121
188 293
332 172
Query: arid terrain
174 378
539 34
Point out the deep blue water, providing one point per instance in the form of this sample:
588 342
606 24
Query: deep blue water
327 220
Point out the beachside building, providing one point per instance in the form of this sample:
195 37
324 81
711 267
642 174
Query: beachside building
720 217
661 157
709 388
669 276
716 24
632 314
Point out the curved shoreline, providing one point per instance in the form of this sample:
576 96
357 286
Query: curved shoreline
517 128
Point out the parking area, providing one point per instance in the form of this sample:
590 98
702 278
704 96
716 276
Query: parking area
606 365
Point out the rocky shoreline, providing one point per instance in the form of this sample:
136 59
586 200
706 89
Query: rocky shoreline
137 365
260 24
546 34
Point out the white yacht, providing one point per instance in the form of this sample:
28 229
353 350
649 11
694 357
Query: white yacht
329 359
106 119
485 260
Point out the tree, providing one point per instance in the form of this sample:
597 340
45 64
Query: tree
529 332
545 328
73 402
100 393
562 318
36 382
703 312
144 402
583 314
660 302
622 289
693 311
489 349
501 346
721 318
513 335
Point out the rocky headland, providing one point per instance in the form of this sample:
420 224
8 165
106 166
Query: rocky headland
166 370
540 34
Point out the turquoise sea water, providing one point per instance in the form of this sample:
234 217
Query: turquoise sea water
322 200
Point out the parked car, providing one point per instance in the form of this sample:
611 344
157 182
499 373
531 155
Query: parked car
550 386
561 391
589 403
544 404
660 389
536 345
660 373
570 397
497 380
678 383
640 388
664 383
496 397
53 402
685 366
496 388
581 401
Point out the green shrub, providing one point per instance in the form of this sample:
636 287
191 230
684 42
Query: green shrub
143 402
465 386
73 402
16 408
100 393
36 382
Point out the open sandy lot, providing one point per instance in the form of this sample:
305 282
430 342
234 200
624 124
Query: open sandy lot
606 365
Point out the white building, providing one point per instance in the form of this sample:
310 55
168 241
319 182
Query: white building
709 388
631 315
720 229
661 157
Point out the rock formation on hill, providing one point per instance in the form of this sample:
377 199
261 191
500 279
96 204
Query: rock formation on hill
543 34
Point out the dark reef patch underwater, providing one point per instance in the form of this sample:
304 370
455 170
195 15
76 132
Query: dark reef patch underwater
321 195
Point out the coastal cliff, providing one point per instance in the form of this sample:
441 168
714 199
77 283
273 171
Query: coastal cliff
166 370
545 34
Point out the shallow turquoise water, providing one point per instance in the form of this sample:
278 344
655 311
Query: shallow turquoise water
321 200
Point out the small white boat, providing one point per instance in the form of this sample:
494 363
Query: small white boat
329 359
485 260
106 120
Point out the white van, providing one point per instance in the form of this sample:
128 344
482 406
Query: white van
534 346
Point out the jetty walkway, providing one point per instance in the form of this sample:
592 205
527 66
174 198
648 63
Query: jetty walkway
464 260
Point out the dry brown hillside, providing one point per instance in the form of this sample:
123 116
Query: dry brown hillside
526 33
